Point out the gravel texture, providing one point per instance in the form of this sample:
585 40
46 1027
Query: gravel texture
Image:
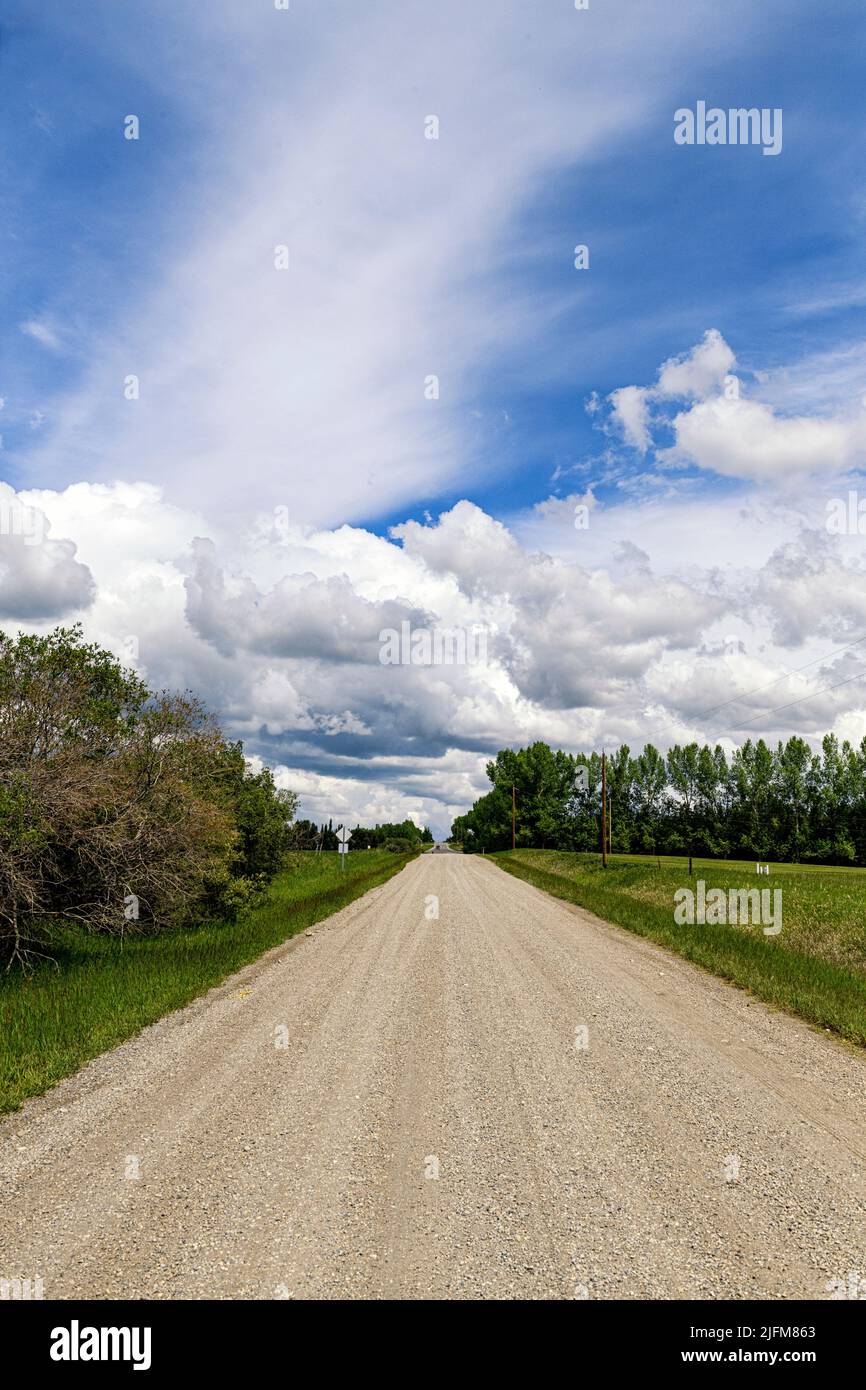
287 1128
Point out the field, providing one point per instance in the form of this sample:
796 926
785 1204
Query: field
815 967
100 990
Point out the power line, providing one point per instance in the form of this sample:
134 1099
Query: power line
802 700
793 672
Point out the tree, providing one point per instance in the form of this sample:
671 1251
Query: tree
684 781
649 792
303 834
832 785
787 803
120 809
543 780
619 777
583 805
263 815
792 762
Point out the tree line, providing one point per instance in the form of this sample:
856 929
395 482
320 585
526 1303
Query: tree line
787 803
121 808
394 836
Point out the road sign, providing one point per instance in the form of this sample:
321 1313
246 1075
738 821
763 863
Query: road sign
343 847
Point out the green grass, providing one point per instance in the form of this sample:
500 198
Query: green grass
101 991
815 967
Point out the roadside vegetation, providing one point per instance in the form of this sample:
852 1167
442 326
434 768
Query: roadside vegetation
815 967
122 809
143 856
785 803
100 989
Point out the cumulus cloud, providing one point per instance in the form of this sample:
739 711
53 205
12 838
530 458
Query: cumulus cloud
746 439
39 577
691 375
283 412
809 585
696 373
280 635
302 616
630 409
477 550
724 432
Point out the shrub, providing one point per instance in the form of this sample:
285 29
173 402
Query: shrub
120 809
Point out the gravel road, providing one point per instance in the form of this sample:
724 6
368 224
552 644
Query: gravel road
512 1100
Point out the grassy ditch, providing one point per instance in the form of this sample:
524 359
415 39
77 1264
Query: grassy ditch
100 990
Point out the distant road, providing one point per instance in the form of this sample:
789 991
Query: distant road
438 1124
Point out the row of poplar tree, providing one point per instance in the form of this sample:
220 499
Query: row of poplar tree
787 803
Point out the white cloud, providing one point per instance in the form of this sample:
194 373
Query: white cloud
310 381
699 372
304 390
40 577
726 432
41 332
279 634
745 439
630 406
692 375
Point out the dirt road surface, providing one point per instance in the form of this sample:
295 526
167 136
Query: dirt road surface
509 1100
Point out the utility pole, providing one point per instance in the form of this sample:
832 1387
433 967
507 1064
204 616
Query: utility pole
513 817
603 811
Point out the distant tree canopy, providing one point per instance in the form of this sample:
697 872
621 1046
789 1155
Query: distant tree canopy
402 836
121 809
305 834
785 803
396 837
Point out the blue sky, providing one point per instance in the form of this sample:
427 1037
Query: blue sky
681 238
408 257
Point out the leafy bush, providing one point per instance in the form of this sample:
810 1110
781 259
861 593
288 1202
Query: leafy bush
120 809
